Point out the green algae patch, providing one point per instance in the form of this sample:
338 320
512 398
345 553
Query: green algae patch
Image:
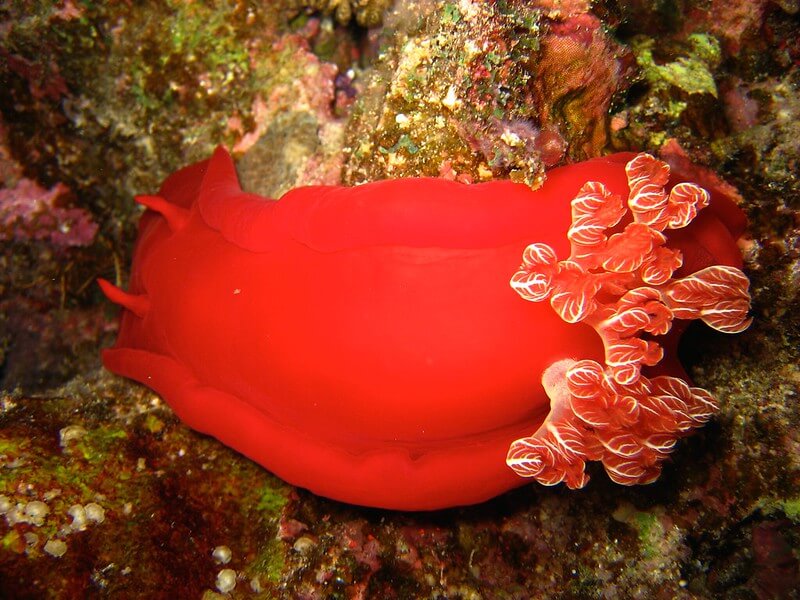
451 14
153 424
691 72
96 444
270 562
8 446
649 531
405 143
792 509
272 498
648 526
789 507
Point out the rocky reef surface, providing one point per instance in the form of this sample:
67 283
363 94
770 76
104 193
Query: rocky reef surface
103 493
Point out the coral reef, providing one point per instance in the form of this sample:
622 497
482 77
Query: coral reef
104 100
103 493
30 212
119 491
474 90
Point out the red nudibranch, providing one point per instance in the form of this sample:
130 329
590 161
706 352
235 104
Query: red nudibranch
364 342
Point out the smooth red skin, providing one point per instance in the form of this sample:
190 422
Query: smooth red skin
374 352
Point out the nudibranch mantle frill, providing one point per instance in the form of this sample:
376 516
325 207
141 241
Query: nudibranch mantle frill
365 343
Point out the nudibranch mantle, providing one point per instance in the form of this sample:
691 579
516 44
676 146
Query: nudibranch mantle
364 342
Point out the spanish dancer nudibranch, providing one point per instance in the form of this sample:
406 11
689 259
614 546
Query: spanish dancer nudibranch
364 343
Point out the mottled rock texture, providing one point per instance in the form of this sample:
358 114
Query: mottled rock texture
101 100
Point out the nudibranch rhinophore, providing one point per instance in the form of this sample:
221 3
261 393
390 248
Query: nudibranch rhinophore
364 342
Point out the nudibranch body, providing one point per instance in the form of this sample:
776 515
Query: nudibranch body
365 343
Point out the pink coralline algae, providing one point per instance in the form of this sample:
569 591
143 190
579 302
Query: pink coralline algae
620 281
44 79
30 212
